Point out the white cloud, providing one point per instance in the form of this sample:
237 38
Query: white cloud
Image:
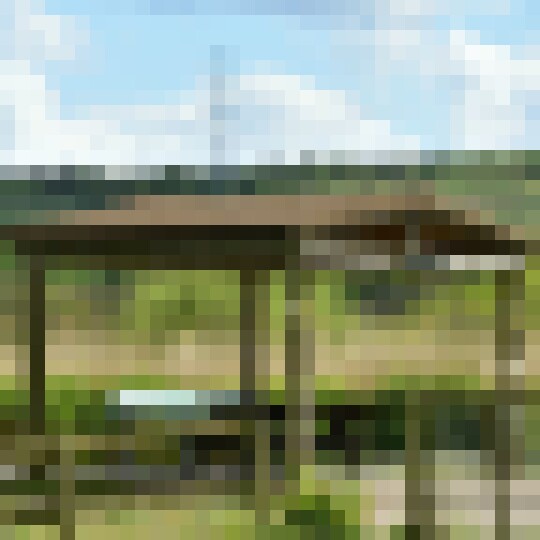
428 8
491 84
255 116
273 113
491 113
38 37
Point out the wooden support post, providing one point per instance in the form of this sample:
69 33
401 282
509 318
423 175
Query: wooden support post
247 373
299 367
509 370
255 379
66 501
37 345
419 465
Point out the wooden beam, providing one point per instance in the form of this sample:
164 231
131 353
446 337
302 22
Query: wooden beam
37 345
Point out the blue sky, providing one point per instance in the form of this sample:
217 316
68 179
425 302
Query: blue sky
164 44
415 72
